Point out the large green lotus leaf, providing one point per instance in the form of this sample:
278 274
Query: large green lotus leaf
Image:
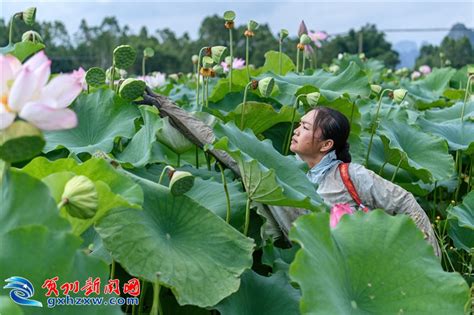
239 81
424 155
431 88
269 177
37 253
272 63
95 169
173 138
26 200
23 50
211 195
261 116
7 306
451 113
371 264
102 117
352 81
350 110
372 67
461 227
262 295
139 151
199 256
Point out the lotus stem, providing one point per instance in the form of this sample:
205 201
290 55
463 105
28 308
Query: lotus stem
402 157
287 142
112 76
231 51
374 126
383 166
156 308
280 57
297 61
469 179
434 201
247 217
315 58
198 74
247 57
466 94
162 175
243 106
226 190
304 62
142 296
459 167
197 157
112 269
207 91
143 67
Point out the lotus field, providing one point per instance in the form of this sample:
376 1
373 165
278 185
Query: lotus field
159 188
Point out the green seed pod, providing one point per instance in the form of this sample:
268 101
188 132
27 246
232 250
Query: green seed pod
283 34
131 89
29 16
376 88
195 59
108 74
207 62
218 69
399 95
95 77
305 39
80 198
313 98
173 138
265 86
31 36
217 53
181 182
148 52
252 25
20 141
470 70
124 56
229 15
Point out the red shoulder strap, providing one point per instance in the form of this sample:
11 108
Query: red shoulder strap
346 179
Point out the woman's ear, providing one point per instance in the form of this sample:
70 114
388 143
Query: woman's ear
327 145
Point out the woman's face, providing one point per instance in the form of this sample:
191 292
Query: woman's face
304 142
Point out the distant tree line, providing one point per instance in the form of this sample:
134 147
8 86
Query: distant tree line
92 45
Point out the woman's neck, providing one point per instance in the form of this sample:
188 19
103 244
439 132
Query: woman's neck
312 160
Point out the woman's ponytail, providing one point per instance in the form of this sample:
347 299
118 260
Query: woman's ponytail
344 154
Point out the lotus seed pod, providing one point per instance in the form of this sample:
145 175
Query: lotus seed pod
124 56
283 34
470 70
265 86
29 16
252 25
95 77
207 62
218 69
31 36
108 74
305 39
376 88
80 198
313 98
399 95
131 89
195 59
217 53
229 15
20 141
148 52
362 56
181 182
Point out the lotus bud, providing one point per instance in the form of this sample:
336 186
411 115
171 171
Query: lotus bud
181 182
252 25
399 95
229 15
340 56
334 68
302 29
80 198
376 88
20 141
195 59
31 36
148 52
362 56
265 86
29 15
305 39
173 77
283 34
131 89
95 76
207 62
313 98
218 69
124 56
217 53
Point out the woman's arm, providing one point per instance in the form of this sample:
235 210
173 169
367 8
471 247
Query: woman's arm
380 193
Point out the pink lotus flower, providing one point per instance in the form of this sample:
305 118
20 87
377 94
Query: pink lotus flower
337 211
425 69
317 37
415 75
238 63
25 92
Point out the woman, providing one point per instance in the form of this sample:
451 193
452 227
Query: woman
321 141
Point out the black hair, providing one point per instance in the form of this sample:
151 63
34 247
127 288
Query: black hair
335 126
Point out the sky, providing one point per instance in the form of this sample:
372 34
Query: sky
330 16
